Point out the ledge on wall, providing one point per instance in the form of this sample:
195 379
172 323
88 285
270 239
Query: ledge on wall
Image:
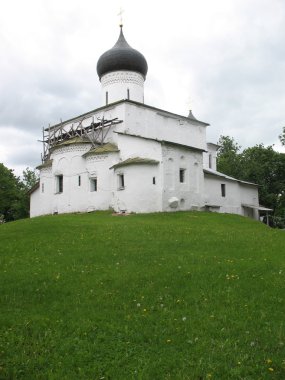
46 164
102 149
135 161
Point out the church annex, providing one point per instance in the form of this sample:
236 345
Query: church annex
132 157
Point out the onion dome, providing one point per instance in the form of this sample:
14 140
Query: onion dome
122 57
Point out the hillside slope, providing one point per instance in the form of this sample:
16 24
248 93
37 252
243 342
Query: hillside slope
157 296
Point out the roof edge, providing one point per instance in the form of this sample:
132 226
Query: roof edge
135 161
34 188
162 141
111 105
218 174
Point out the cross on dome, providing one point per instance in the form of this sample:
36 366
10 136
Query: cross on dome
121 16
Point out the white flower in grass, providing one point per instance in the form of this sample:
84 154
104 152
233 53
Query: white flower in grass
138 305
184 319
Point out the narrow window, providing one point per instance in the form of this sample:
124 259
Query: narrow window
182 175
79 180
223 189
43 187
121 181
93 184
210 161
59 183
107 97
128 93
153 180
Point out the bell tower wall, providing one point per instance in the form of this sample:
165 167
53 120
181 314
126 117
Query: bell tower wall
119 85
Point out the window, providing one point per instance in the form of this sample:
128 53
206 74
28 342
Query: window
107 100
153 180
223 189
128 93
210 161
79 180
121 182
59 183
93 184
182 175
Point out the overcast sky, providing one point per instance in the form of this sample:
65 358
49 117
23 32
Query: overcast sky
223 59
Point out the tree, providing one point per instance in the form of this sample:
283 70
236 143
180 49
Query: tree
30 178
282 137
228 160
12 205
259 164
266 167
14 197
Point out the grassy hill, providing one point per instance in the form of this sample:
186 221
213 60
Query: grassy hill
161 296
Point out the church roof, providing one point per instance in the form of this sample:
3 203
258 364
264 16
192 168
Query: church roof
34 188
218 174
74 140
46 164
121 57
135 161
164 142
103 149
127 101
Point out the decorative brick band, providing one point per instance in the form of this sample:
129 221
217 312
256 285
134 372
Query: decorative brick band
71 148
122 77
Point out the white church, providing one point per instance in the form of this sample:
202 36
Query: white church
132 157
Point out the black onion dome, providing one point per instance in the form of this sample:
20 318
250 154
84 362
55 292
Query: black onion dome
121 57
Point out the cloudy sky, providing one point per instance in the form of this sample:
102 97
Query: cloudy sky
223 59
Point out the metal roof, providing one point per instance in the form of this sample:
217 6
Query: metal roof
45 164
107 107
259 207
122 57
135 161
218 174
103 149
162 141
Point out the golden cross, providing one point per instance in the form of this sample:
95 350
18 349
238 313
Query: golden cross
121 16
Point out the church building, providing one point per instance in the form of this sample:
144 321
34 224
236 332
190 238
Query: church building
132 157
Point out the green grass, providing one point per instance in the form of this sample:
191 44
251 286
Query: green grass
159 296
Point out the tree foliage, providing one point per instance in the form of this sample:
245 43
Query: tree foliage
30 178
228 156
14 197
258 164
282 137
265 166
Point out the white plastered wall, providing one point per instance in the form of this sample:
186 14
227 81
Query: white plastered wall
210 157
140 194
131 146
119 85
35 203
154 124
236 195
98 166
231 203
189 193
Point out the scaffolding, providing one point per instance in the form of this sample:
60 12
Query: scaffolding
95 132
